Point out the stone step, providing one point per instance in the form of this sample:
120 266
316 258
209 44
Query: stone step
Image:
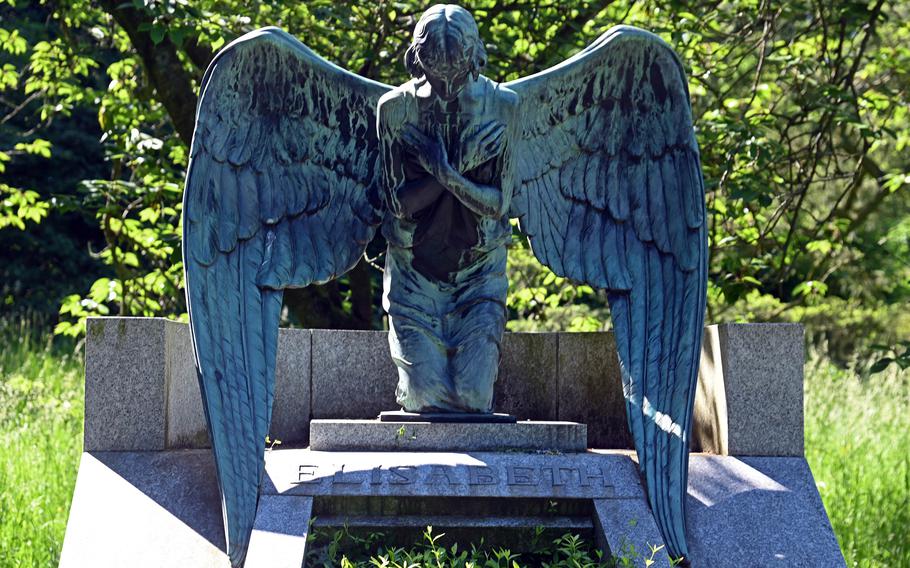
375 435
460 521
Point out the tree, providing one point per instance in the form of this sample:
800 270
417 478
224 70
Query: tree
801 110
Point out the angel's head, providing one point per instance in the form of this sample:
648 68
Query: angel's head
446 50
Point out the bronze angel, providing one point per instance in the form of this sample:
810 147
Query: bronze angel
296 162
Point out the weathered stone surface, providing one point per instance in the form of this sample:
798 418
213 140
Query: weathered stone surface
145 509
126 382
162 508
709 416
452 474
291 409
757 511
764 388
448 417
750 395
142 391
353 374
176 377
373 435
185 418
280 531
627 529
590 388
526 386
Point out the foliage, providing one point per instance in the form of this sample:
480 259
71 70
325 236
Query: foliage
539 300
858 445
801 111
345 548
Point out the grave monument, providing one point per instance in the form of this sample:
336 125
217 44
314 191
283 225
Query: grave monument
296 163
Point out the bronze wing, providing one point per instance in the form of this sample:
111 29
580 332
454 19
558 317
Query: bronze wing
282 191
610 193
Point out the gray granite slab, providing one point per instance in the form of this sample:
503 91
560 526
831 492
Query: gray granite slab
526 386
279 538
291 408
125 387
446 417
145 509
352 374
709 419
744 512
750 395
757 512
452 474
290 411
185 418
590 388
142 392
626 528
374 435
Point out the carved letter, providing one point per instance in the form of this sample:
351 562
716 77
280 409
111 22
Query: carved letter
341 479
403 475
521 476
437 471
589 476
306 474
481 475
559 475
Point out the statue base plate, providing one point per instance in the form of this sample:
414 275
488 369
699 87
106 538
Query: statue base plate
334 435
453 417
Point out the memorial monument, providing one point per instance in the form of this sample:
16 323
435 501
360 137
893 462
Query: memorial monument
295 163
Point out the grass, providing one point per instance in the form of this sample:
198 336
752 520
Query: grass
41 406
857 443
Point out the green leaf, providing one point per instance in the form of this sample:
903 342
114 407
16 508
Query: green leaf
881 365
157 33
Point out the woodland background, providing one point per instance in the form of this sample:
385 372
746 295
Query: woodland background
801 108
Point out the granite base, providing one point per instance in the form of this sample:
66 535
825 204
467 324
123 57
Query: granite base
162 508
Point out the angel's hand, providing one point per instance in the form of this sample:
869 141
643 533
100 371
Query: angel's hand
430 152
483 145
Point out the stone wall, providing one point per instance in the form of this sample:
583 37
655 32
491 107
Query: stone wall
141 390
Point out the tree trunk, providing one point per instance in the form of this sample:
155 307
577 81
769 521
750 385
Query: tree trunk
314 306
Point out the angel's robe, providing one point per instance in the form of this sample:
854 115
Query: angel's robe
445 280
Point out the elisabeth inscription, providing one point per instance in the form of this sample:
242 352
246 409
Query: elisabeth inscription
566 479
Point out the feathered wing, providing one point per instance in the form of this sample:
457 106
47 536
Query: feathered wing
610 193
281 192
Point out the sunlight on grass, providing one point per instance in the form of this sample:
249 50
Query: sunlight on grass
858 445
41 406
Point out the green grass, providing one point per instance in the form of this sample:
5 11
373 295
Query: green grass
857 443
41 406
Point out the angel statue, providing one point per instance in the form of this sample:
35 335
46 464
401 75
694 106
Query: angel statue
296 162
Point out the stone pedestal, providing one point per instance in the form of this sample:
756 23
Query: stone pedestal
374 435
146 493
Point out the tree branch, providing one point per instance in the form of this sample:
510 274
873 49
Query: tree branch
163 67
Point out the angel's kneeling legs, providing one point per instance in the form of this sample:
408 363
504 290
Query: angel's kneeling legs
424 383
474 363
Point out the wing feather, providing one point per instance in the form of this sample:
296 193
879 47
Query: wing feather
634 182
611 194
260 217
657 206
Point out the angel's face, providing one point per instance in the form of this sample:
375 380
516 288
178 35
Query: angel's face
446 65
448 83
